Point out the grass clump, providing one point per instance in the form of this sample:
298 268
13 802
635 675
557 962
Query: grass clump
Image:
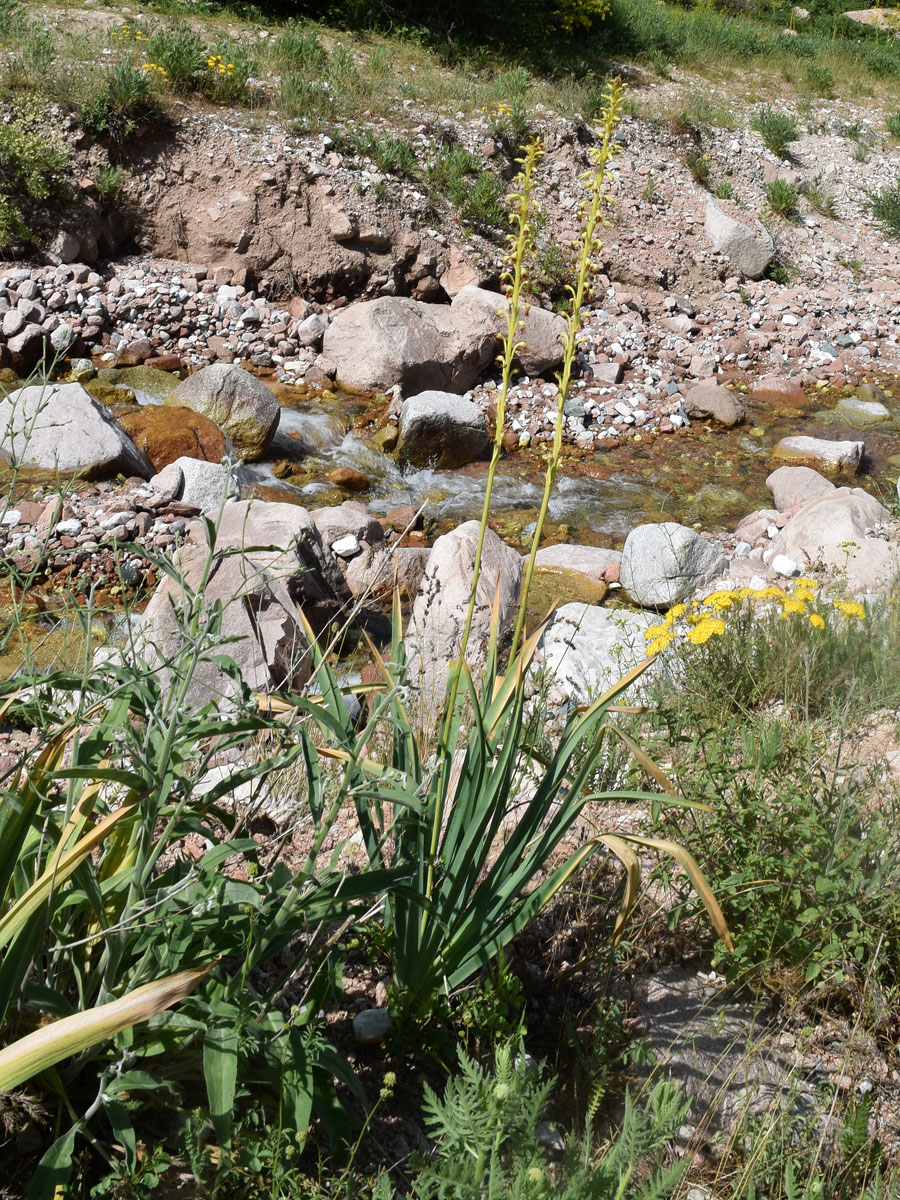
885 207
393 155
892 125
781 198
181 53
125 100
820 198
819 79
778 129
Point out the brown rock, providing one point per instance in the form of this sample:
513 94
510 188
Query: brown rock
165 434
401 519
165 362
775 389
349 479
134 353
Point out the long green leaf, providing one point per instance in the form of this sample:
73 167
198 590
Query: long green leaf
220 1068
50 1044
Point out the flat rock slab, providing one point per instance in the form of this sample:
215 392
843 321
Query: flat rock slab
60 427
594 562
819 452
723 1052
587 648
434 634
748 246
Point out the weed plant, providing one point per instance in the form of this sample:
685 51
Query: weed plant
885 207
892 124
32 172
820 198
126 99
486 1126
781 198
778 129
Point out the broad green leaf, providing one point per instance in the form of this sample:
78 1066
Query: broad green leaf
220 1068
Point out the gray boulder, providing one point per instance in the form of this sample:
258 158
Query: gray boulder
434 633
663 564
236 401
60 427
27 348
478 312
441 428
269 561
394 340
716 403
587 649
749 248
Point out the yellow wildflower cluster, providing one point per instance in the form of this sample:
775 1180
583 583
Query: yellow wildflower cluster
128 33
218 66
502 110
570 16
702 619
155 68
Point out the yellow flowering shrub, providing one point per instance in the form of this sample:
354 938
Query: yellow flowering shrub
702 619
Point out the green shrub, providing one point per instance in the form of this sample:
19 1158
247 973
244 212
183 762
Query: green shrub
781 197
181 52
778 129
125 100
723 190
886 209
224 77
448 173
819 79
32 170
699 166
298 48
807 868
28 65
396 155
307 101
882 63
481 207
109 181
892 124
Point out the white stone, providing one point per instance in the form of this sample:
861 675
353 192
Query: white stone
782 565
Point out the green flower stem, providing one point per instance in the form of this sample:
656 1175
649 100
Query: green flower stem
516 279
587 245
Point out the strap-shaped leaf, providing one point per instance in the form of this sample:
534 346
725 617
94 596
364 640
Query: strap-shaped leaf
51 1043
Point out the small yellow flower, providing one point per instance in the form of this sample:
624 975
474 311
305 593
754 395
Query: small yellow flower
816 621
659 644
850 608
792 605
805 583
705 629
770 593
655 631
674 613
804 594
